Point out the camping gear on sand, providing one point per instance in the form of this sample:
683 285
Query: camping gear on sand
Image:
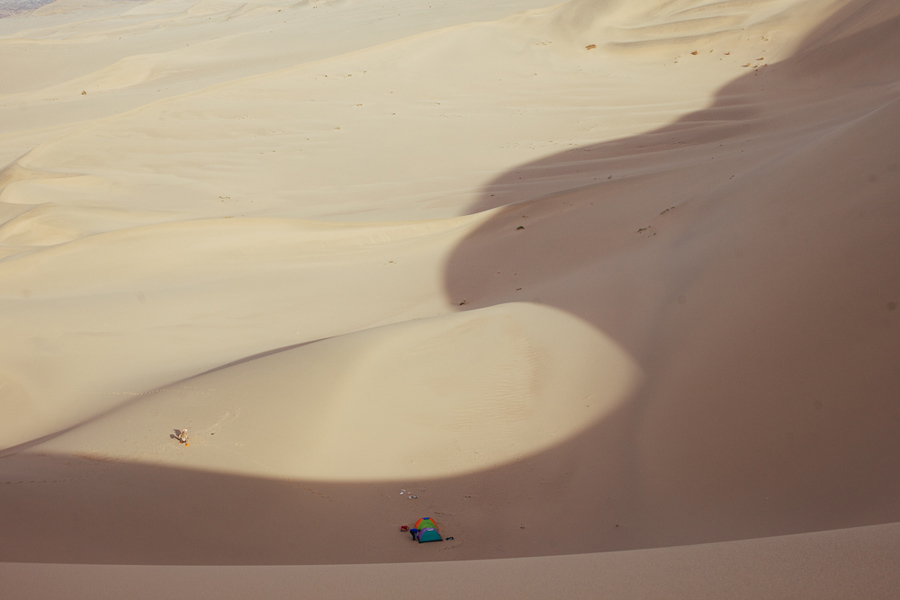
427 531
429 534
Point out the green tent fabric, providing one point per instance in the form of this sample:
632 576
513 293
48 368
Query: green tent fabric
425 523
429 534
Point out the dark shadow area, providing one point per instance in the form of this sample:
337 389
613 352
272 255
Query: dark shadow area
79 510
643 217
746 257
68 509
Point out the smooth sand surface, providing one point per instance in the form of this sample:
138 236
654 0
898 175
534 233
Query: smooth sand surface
608 288
825 565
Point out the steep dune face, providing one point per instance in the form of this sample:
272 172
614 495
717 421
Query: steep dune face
628 260
761 304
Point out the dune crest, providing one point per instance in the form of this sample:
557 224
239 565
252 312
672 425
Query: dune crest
514 394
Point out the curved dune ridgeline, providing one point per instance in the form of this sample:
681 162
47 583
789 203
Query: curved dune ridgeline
743 256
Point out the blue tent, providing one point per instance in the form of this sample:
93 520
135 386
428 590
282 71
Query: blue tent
429 534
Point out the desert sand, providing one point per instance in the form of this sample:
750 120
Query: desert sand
609 288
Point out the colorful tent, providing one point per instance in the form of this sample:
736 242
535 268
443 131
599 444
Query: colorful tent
429 534
427 531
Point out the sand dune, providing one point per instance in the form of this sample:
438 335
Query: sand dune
609 287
